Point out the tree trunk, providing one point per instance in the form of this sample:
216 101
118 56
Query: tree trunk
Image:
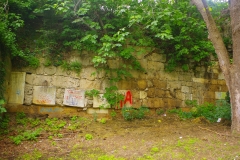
231 71
235 70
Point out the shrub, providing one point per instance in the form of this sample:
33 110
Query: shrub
130 113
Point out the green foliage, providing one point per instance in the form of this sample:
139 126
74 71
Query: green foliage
92 93
88 137
209 111
27 135
72 66
130 113
35 155
4 121
2 109
160 111
112 96
2 79
21 118
103 120
113 114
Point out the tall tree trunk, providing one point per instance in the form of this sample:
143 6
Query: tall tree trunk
231 71
235 70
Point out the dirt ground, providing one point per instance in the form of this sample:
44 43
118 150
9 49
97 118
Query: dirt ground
155 137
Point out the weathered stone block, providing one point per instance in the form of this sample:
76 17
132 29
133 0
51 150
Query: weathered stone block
155 103
160 84
156 57
209 94
214 88
17 86
98 111
29 78
172 76
114 64
160 93
180 95
41 80
86 84
50 70
220 95
137 103
155 65
142 84
172 103
151 92
221 76
185 89
143 94
174 85
65 82
221 82
127 85
200 80
89 73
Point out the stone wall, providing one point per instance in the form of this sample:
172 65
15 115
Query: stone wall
154 88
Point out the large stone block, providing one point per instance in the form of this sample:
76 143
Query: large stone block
127 85
44 95
51 70
160 84
97 111
65 82
89 73
155 65
114 64
185 89
172 76
29 78
200 80
180 95
172 103
155 103
209 94
220 95
142 94
17 86
142 84
160 93
157 57
174 85
41 80
86 84
151 92
137 103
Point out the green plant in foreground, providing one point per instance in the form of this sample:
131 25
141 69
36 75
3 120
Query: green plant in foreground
92 93
130 113
2 109
88 137
113 114
35 155
209 111
103 120
27 135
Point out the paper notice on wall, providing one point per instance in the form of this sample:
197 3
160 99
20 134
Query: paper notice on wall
74 98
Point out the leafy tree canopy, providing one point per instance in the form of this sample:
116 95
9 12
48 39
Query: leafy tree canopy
110 29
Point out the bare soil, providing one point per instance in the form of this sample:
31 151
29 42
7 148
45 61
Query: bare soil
154 137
